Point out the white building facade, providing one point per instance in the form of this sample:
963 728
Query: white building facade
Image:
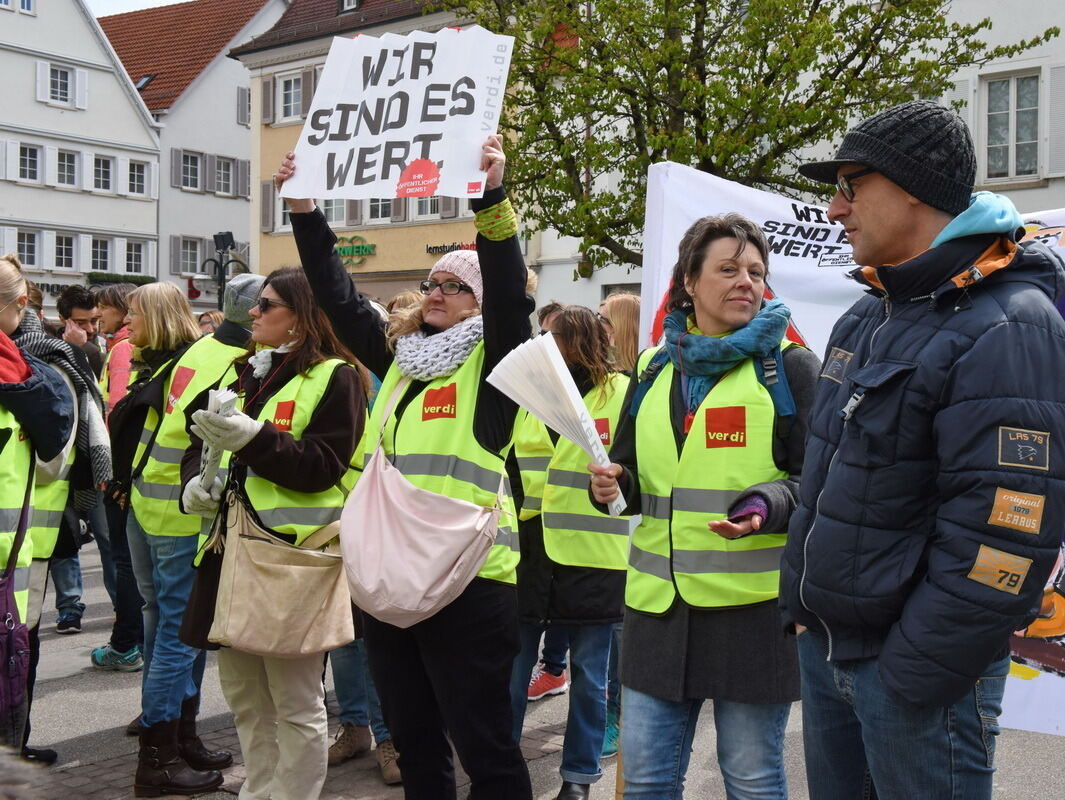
79 152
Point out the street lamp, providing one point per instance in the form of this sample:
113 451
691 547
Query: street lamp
224 244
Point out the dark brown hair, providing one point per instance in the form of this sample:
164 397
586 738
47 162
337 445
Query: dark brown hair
585 343
698 238
114 295
546 310
315 339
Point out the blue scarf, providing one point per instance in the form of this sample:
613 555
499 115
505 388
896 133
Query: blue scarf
702 360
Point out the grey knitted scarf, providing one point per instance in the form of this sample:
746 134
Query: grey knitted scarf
424 357
91 441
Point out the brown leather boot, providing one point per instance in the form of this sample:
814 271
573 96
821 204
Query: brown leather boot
161 770
192 748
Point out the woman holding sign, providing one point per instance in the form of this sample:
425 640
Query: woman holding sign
447 675
708 451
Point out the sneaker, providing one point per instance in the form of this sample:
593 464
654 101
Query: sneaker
352 740
107 657
68 623
40 755
543 683
386 762
610 739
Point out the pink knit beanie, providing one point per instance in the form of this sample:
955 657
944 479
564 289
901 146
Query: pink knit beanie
463 264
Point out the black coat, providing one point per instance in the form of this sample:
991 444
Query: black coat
906 544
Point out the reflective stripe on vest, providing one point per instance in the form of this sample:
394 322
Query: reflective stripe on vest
15 463
728 449
287 511
434 446
156 493
49 500
533 450
575 533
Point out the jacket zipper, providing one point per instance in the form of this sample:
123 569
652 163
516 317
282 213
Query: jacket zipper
847 412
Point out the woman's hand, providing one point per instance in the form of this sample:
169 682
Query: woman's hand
493 161
284 172
734 530
605 482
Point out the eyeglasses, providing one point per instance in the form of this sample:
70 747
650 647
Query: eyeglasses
265 304
843 182
446 287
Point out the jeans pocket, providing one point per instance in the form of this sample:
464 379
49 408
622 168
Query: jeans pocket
988 692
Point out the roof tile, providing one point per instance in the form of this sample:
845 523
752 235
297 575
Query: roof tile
176 42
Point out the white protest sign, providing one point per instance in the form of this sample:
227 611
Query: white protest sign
403 116
808 256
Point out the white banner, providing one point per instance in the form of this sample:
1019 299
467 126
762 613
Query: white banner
808 259
403 116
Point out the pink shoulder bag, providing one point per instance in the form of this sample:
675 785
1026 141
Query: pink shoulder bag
408 552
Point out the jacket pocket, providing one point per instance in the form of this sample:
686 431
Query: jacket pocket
874 410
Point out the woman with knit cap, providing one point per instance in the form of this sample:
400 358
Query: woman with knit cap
448 675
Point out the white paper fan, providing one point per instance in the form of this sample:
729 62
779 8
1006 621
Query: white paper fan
535 377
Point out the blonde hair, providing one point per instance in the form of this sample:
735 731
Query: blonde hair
12 282
168 319
622 311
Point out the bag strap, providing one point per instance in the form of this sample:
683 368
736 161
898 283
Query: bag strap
393 399
321 537
23 525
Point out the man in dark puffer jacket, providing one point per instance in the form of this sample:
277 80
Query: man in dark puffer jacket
933 494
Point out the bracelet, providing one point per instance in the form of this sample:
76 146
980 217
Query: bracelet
497 222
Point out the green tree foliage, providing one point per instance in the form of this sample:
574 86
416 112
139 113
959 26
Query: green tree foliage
600 91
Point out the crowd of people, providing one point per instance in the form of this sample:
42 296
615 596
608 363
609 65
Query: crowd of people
836 532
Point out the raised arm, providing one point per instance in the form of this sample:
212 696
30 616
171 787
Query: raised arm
357 324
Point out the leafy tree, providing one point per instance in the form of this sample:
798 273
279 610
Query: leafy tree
601 90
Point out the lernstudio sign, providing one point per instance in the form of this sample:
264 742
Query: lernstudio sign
403 116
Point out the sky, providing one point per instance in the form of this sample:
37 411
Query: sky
102 8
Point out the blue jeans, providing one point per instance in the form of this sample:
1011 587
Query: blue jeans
556 643
656 745
613 682
97 519
66 578
589 652
356 694
173 671
855 727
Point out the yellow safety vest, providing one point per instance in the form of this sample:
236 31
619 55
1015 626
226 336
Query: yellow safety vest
157 490
575 533
49 501
287 511
16 460
434 446
728 449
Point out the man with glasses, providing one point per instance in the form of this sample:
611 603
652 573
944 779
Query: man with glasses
931 505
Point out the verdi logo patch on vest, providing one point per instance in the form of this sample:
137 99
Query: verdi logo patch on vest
439 403
286 410
602 427
726 427
182 378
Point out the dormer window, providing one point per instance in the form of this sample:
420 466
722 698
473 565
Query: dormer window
346 5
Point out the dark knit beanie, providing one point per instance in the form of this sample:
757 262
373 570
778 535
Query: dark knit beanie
920 145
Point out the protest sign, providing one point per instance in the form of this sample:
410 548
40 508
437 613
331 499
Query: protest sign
402 116
808 259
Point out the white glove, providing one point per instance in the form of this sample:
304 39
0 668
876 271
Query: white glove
197 500
230 433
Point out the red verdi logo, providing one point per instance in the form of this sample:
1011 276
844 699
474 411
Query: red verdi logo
439 403
726 427
283 416
602 427
182 378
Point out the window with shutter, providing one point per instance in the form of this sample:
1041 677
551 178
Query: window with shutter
243 105
1010 126
1055 157
267 84
266 206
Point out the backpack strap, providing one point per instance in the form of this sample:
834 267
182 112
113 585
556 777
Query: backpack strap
647 377
771 374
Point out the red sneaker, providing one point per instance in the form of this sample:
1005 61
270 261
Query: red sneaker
543 683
